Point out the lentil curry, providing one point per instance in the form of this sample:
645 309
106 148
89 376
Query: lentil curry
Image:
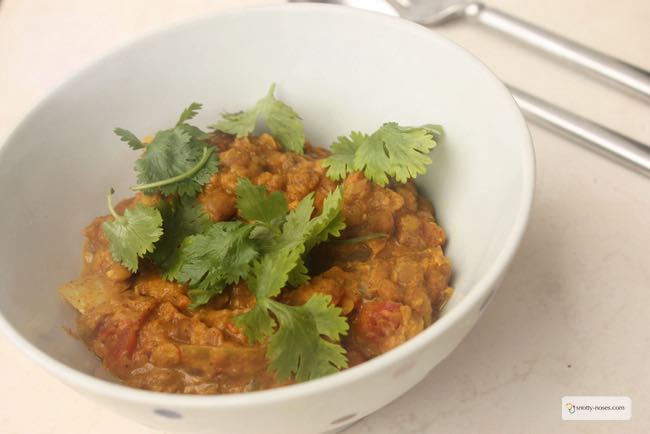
149 335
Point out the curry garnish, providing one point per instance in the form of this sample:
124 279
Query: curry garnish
182 216
282 121
129 138
391 151
189 113
133 234
208 262
295 345
177 161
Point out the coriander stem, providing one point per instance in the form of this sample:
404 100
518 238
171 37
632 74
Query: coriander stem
178 178
109 200
371 236
271 90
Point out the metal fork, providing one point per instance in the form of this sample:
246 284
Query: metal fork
628 77
616 146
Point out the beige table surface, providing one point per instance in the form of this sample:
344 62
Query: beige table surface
573 315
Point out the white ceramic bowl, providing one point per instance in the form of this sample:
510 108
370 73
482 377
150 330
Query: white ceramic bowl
341 70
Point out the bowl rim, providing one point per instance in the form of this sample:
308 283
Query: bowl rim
476 294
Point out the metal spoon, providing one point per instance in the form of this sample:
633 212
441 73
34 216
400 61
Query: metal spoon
430 13
622 149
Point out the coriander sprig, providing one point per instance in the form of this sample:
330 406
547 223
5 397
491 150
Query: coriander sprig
210 261
283 122
182 217
177 161
133 234
391 151
296 344
109 203
207 153
189 113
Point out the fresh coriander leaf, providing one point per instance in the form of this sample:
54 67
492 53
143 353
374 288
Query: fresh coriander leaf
189 113
261 233
391 151
299 275
176 162
270 274
289 240
255 204
240 124
297 224
130 138
341 161
211 167
297 348
436 131
169 154
329 320
330 221
223 253
256 323
166 183
197 134
300 229
220 256
330 228
401 152
282 121
300 327
181 218
265 237
296 345
133 234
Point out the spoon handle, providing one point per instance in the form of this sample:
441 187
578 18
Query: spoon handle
628 77
611 144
